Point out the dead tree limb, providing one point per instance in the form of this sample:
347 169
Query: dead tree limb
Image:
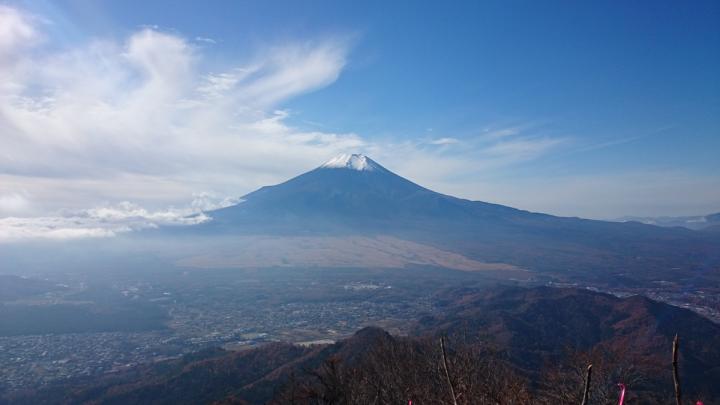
447 371
676 374
586 391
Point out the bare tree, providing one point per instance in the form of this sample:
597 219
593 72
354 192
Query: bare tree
676 374
447 371
586 391
559 383
397 371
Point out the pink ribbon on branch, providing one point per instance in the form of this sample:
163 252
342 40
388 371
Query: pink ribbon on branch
622 393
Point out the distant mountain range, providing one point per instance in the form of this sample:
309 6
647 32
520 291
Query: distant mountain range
352 196
691 222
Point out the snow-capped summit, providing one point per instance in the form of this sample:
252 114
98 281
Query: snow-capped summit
353 162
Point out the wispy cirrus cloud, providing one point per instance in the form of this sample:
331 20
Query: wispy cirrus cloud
17 31
522 148
143 112
205 40
444 141
452 164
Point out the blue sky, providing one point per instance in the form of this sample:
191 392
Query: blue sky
595 109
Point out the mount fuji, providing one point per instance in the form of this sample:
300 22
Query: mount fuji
353 192
354 196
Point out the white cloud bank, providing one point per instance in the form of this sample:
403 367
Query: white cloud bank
108 220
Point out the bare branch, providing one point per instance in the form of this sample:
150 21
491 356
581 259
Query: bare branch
586 391
447 372
676 375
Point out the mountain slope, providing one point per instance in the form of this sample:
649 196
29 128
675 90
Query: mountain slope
543 319
354 195
537 326
348 191
694 222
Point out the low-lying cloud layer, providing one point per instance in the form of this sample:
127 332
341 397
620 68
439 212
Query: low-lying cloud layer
107 221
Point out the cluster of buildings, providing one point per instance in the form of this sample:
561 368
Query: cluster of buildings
40 360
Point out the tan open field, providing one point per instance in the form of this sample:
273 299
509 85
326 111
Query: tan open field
352 251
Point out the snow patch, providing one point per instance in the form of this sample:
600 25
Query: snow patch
353 162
